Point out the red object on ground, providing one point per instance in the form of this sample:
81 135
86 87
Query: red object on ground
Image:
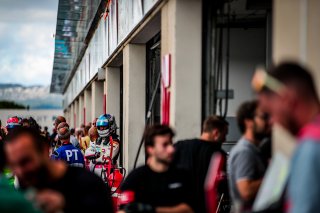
115 179
213 180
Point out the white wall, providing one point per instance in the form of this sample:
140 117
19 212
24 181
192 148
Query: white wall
247 51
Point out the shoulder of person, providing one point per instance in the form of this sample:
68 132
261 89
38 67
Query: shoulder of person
187 142
82 176
137 174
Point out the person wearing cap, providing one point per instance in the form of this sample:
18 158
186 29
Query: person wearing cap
67 151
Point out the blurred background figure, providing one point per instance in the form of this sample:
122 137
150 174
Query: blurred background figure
53 137
73 138
94 122
85 140
58 120
195 155
91 153
79 134
93 134
245 165
46 132
58 187
294 104
25 122
2 132
12 123
56 143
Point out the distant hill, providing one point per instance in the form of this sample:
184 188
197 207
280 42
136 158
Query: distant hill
36 97
11 105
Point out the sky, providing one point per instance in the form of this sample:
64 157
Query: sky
26 41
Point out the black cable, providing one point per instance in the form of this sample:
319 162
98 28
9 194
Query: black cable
227 65
148 118
220 62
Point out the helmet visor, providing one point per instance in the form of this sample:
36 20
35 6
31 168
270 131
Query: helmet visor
103 127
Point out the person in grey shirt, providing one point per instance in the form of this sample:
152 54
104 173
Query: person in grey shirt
73 139
245 166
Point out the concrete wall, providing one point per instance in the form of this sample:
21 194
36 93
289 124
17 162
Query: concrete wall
181 37
76 113
296 33
97 98
247 51
134 81
113 91
80 110
87 105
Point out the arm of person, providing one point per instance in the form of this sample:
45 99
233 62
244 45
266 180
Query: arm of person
304 184
246 175
180 208
248 188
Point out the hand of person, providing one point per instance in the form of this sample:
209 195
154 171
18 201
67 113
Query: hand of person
138 208
50 201
4 129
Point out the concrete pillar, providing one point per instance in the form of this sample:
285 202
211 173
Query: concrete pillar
104 97
80 110
76 113
97 99
72 121
181 37
67 114
296 32
113 91
134 77
87 105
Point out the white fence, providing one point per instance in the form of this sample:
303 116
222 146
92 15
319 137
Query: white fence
43 117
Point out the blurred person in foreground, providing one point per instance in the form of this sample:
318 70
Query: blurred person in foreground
67 152
10 199
157 187
58 188
288 92
195 155
245 165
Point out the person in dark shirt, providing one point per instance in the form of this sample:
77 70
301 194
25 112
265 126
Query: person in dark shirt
157 187
195 155
58 188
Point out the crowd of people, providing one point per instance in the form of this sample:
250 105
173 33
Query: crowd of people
74 170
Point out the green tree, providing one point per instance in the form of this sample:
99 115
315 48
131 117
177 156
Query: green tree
11 105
